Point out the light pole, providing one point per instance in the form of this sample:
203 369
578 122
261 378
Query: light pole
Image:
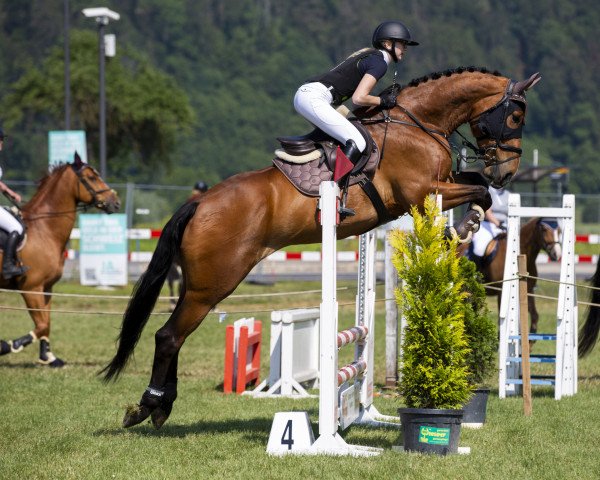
102 16
67 67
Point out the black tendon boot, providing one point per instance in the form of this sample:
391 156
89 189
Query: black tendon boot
10 267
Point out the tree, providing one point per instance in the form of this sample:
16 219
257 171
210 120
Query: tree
146 110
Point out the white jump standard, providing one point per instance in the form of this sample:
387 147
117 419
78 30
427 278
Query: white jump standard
565 378
341 403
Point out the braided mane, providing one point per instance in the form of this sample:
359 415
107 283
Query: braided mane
449 72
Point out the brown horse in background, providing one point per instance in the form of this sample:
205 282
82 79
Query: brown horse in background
536 235
49 217
588 334
245 218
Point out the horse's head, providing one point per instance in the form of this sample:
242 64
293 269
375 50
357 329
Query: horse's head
95 192
497 124
548 234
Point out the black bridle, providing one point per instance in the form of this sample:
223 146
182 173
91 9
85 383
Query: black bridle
94 193
552 226
83 207
492 125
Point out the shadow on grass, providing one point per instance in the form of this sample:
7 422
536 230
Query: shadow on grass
255 429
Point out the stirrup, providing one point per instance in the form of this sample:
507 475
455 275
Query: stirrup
14 271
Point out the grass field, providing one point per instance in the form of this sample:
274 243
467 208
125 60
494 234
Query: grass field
66 424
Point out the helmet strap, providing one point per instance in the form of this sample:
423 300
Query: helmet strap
392 51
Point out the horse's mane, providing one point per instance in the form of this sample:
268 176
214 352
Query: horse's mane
53 169
447 73
366 112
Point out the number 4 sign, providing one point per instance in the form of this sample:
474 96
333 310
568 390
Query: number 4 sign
291 432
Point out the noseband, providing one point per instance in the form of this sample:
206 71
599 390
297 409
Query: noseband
94 193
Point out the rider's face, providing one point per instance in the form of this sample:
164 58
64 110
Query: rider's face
400 49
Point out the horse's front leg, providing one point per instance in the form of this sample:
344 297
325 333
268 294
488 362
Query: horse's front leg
456 194
160 394
39 304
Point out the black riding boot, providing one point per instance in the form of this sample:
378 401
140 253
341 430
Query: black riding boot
352 152
10 267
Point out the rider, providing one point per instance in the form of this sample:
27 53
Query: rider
199 187
494 222
353 78
10 263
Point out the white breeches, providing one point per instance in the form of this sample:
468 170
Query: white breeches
9 223
486 233
313 102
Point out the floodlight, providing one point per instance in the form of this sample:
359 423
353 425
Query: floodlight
101 12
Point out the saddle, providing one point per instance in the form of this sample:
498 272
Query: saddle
308 160
490 252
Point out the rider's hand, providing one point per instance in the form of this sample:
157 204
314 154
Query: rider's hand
14 195
388 100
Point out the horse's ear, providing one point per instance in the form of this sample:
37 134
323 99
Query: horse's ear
77 160
524 85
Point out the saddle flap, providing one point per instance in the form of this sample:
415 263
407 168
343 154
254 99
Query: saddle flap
303 144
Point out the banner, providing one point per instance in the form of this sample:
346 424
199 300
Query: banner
62 145
103 249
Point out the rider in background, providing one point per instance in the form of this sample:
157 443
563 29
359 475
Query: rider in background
494 222
10 263
199 187
317 99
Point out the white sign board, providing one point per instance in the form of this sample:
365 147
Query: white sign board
103 249
62 146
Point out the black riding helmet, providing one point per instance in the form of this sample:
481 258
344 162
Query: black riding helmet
395 31
201 186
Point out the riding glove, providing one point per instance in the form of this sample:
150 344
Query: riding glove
388 100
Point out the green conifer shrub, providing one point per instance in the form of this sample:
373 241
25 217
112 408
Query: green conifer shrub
431 296
480 329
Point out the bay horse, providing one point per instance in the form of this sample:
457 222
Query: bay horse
49 218
588 335
220 237
536 235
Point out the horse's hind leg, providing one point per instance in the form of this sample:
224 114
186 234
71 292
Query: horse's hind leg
18 344
161 413
162 390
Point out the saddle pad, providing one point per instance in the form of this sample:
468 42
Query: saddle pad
307 177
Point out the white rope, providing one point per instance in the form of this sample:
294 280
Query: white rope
127 297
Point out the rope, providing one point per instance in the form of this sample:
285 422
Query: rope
127 297
246 312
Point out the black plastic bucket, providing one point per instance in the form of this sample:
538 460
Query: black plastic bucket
475 409
428 430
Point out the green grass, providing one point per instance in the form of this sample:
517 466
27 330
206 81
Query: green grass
65 424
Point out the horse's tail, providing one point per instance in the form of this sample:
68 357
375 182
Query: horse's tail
588 335
147 289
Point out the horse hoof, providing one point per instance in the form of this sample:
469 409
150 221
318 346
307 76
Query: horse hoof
159 417
135 414
479 210
57 363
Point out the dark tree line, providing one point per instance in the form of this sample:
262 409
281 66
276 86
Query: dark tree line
201 88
